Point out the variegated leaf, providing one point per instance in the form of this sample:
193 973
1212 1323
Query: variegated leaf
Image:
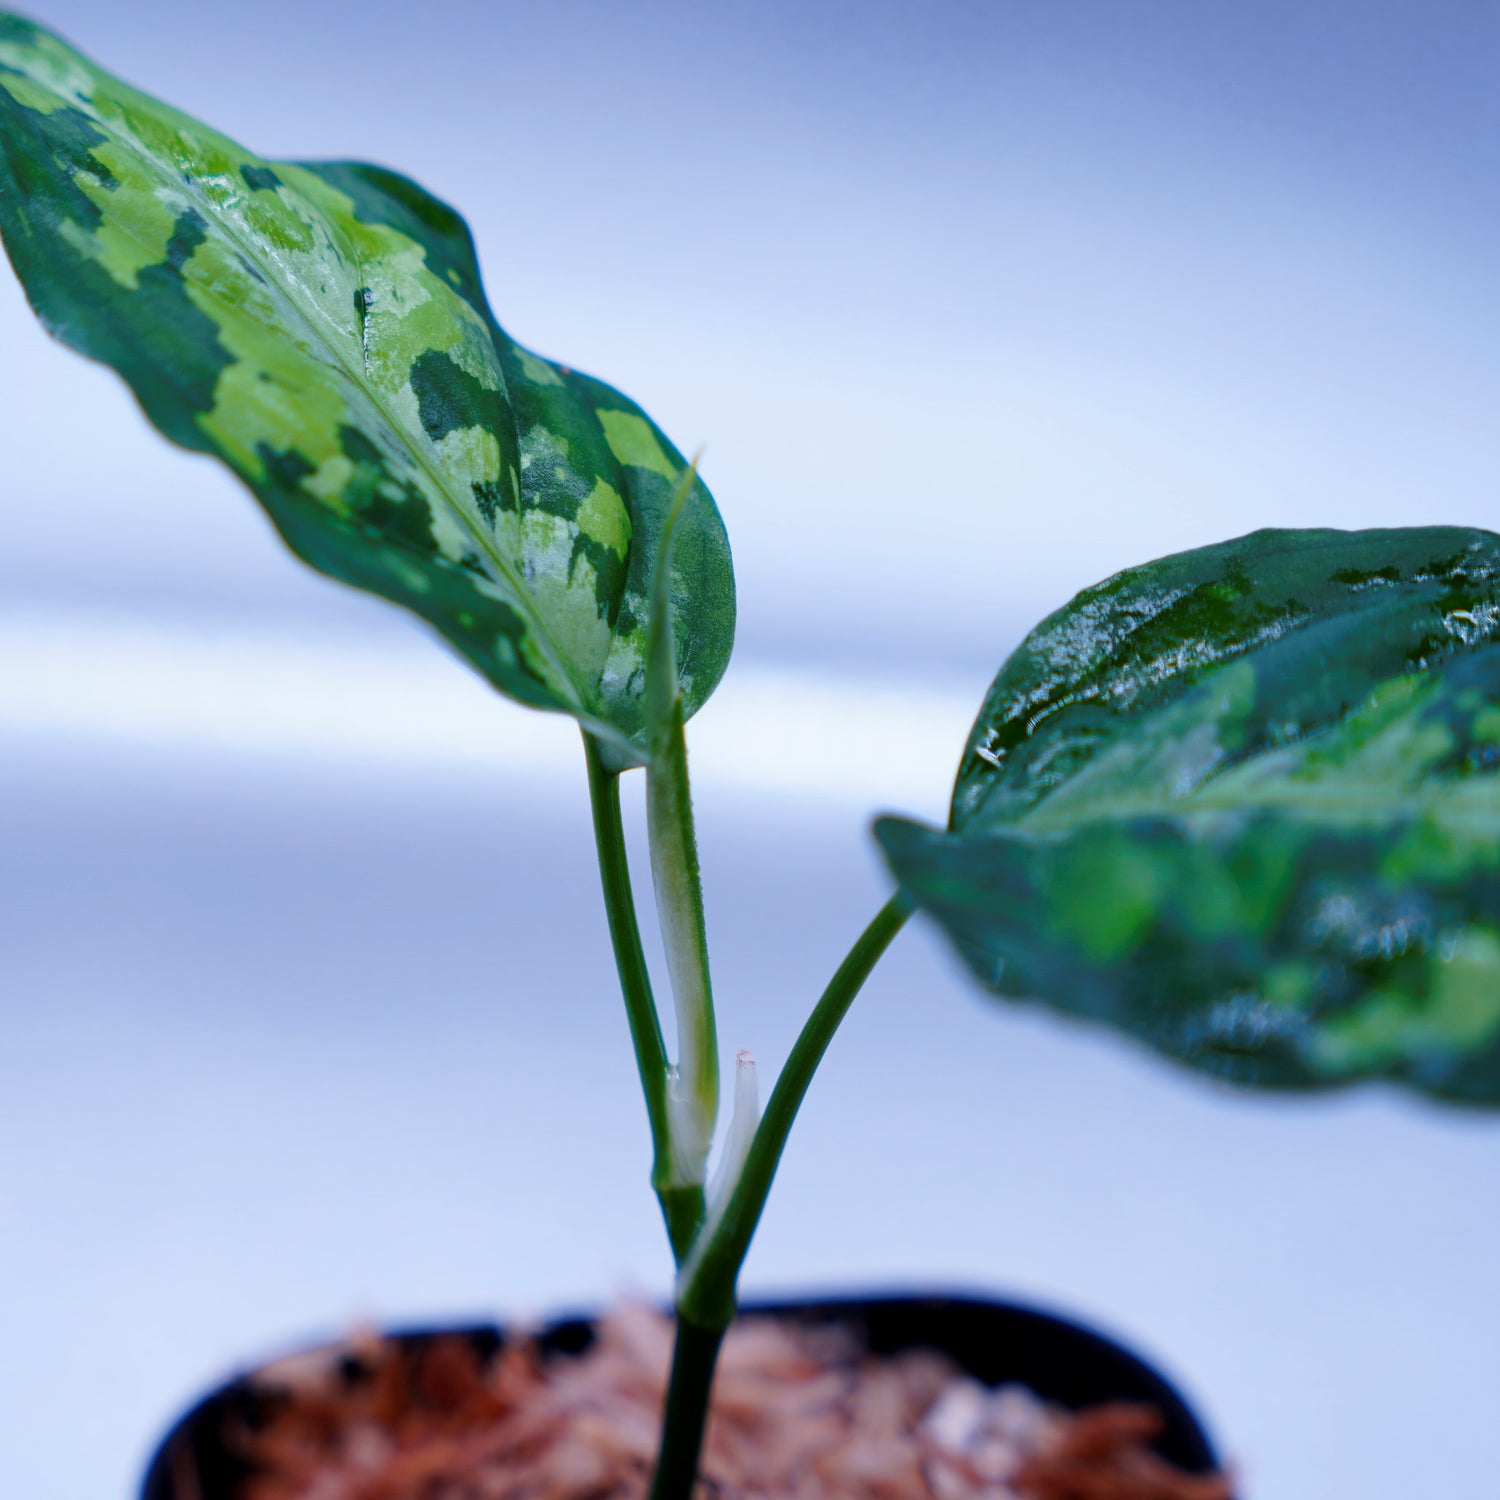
322 329
1244 804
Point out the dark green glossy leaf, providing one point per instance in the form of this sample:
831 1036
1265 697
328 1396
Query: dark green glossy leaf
322 329
1244 804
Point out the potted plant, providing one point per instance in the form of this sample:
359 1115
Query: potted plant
1238 803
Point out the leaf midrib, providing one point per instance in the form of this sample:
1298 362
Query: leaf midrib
1348 797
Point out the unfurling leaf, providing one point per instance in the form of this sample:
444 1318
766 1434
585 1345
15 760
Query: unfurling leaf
322 329
1244 804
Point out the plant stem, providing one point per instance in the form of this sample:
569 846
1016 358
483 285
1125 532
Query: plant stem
694 1355
681 1202
706 1285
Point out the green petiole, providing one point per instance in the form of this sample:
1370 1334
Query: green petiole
682 1203
693 1090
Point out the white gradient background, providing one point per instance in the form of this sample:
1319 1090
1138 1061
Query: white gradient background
305 1007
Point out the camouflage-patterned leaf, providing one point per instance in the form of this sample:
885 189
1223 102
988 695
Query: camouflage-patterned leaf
1244 804
322 329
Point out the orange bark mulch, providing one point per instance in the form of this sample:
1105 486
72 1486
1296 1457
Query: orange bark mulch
799 1414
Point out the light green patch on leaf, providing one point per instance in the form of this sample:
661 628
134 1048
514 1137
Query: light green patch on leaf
1465 1011
603 517
1244 804
1447 845
1290 985
632 441
322 329
29 95
537 370
1105 930
1459 1015
1368 1039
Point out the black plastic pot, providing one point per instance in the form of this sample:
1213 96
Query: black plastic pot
994 1341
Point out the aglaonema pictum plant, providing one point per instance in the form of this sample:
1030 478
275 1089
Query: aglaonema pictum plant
1240 803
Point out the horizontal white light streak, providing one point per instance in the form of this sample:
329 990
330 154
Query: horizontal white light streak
181 684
